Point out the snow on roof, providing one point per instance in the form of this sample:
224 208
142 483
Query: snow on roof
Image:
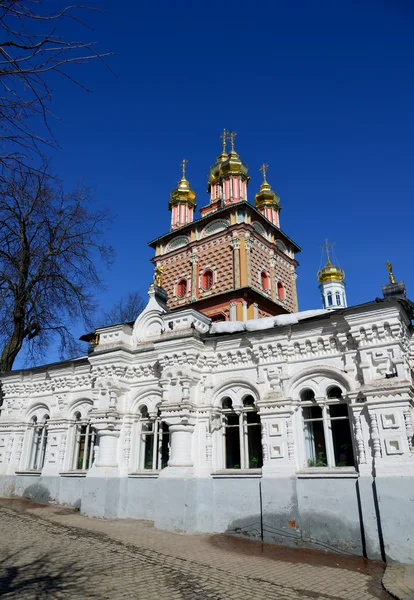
266 322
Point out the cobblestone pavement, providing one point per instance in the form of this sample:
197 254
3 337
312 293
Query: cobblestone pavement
53 552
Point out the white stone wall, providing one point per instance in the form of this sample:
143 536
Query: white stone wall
170 363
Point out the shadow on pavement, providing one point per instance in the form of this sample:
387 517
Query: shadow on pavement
44 577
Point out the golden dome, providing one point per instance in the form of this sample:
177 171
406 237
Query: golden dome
183 192
330 273
227 163
265 196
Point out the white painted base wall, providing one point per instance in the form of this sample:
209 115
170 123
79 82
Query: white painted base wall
356 516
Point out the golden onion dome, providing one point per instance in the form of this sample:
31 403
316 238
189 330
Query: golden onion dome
227 163
183 191
330 273
265 196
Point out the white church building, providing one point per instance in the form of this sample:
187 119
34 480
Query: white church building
222 408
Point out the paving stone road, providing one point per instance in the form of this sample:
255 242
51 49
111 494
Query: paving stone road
53 552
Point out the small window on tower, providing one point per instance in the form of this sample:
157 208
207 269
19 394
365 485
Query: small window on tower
329 296
338 298
280 291
208 280
265 280
182 288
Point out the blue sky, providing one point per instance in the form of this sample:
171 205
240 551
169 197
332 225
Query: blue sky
322 91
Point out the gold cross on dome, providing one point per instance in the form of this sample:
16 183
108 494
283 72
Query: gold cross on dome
183 164
326 246
264 169
389 269
232 136
224 136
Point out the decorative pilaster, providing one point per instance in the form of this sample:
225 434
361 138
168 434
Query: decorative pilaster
235 244
376 442
265 445
290 440
194 277
272 265
409 428
359 439
248 247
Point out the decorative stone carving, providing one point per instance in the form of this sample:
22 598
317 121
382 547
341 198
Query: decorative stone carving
375 437
359 439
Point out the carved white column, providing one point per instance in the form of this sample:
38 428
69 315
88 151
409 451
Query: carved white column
107 425
375 437
409 428
290 439
359 439
180 449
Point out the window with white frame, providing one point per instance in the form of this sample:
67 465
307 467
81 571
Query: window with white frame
327 431
39 443
242 435
154 441
85 441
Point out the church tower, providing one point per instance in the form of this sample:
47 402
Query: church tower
233 263
332 284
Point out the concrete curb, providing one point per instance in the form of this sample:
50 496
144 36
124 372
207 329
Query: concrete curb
398 580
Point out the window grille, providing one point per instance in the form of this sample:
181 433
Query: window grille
39 443
85 442
327 431
242 436
154 447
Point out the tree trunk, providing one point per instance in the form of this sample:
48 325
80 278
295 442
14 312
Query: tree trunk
12 347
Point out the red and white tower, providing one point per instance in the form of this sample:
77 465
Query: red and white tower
182 201
234 263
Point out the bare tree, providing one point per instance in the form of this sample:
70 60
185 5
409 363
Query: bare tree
31 51
124 311
50 244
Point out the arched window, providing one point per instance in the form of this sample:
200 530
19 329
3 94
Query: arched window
265 280
328 439
39 443
154 447
329 297
85 441
242 435
207 280
182 288
280 291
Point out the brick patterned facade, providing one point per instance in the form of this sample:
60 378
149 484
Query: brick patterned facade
234 242
216 255
176 267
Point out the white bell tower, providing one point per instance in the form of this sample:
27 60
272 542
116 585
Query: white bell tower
331 283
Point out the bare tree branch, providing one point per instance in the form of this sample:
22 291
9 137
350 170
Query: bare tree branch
125 310
51 242
31 49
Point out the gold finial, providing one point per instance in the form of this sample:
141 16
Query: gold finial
326 246
232 136
389 269
264 169
183 164
224 136
158 273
